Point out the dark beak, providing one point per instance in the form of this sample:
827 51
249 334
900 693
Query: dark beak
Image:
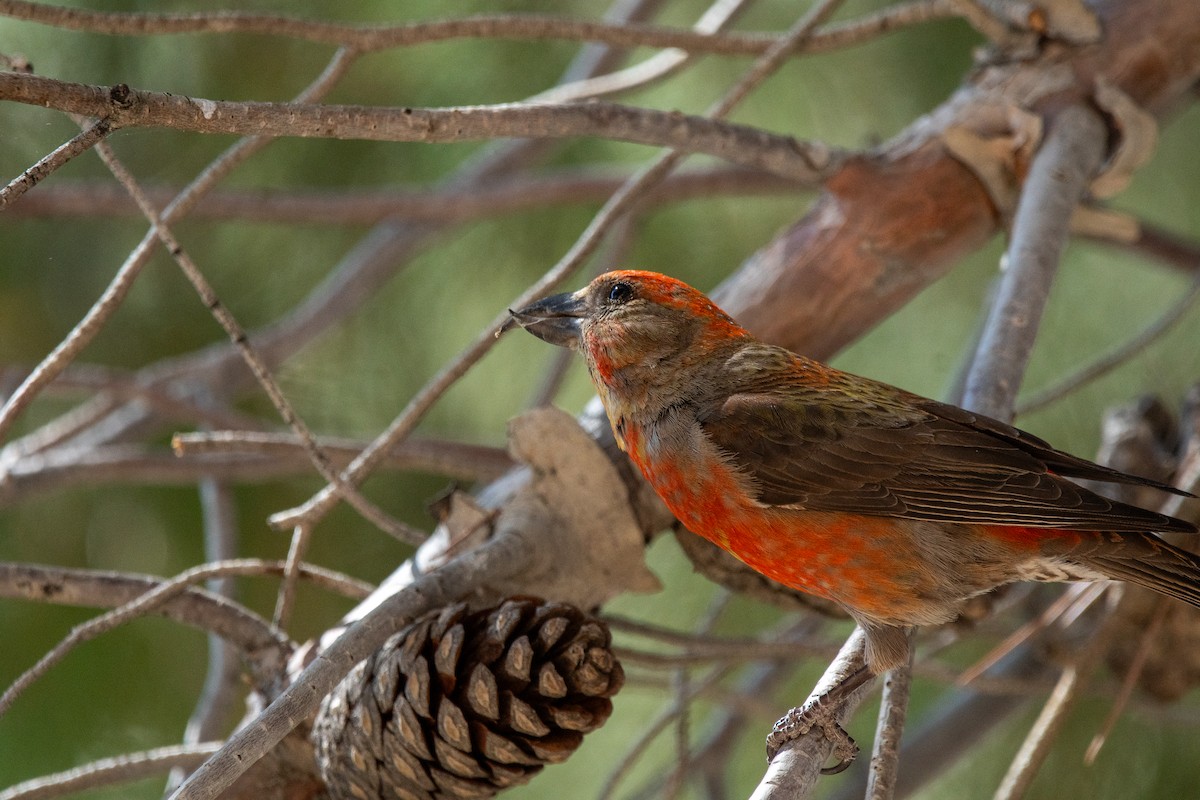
555 319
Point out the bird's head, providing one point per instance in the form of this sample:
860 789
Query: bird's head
630 320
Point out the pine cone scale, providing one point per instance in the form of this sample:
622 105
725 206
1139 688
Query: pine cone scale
464 704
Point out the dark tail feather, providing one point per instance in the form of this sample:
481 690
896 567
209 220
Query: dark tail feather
1146 560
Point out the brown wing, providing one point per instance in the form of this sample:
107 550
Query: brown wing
857 446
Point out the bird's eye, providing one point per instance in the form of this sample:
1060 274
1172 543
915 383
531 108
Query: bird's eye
620 292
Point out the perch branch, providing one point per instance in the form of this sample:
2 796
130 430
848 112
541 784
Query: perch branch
794 771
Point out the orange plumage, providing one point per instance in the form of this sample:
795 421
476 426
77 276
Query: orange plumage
897 507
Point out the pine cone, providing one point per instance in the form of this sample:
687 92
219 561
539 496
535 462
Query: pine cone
463 705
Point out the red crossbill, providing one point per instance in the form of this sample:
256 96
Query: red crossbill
897 507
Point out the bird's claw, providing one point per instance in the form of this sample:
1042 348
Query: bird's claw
799 721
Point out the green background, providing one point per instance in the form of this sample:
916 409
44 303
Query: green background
134 688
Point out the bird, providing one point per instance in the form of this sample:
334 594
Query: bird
897 507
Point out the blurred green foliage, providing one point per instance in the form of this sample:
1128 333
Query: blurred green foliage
134 688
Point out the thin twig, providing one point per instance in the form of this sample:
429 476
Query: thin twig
1146 644
102 588
716 18
320 504
89 630
83 333
77 144
18 580
338 208
367 38
215 705
237 335
495 560
1058 177
109 771
1042 734
738 144
1117 356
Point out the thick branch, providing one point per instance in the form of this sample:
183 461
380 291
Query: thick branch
1058 178
890 224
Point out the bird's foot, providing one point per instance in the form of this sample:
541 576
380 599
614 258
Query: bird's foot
819 715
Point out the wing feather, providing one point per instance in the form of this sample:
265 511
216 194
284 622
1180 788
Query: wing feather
843 443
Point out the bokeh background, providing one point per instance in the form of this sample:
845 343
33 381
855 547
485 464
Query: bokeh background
134 688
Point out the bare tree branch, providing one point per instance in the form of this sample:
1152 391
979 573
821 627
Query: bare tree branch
317 506
262 373
115 293
80 143
907 207
1036 746
893 713
265 648
368 38
109 771
368 207
1117 356
794 771
737 144
1058 178
235 456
